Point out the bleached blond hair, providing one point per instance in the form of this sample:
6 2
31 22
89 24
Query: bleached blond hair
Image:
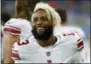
51 13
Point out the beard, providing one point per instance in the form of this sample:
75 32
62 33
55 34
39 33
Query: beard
43 35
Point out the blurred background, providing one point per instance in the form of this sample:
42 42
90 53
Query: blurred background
78 13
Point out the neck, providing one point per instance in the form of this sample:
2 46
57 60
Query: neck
48 42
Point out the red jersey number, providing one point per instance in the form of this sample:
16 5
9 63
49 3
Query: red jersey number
23 43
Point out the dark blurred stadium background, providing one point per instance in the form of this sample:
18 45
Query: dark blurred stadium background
78 12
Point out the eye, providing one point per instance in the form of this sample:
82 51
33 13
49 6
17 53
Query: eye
44 18
35 19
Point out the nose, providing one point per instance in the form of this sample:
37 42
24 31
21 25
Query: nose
39 23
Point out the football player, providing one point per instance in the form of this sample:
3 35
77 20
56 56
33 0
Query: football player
72 29
20 25
44 46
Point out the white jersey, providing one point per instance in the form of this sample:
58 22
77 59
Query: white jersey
18 26
67 49
69 29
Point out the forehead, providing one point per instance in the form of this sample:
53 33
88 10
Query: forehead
39 13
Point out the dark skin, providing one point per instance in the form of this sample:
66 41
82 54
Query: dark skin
40 20
23 9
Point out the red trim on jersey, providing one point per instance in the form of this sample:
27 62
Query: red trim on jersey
15 55
80 45
23 43
81 48
49 61
68 34
79 40
12 30
13 27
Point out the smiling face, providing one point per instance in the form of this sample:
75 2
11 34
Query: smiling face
42 28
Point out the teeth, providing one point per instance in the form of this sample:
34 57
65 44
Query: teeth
40 30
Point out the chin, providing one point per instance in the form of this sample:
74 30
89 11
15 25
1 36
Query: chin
45 35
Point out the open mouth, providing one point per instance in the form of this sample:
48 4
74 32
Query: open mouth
40 30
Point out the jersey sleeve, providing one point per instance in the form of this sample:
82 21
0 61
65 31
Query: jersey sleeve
79 42
18 26
78 46
78 57
76 40
11 28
